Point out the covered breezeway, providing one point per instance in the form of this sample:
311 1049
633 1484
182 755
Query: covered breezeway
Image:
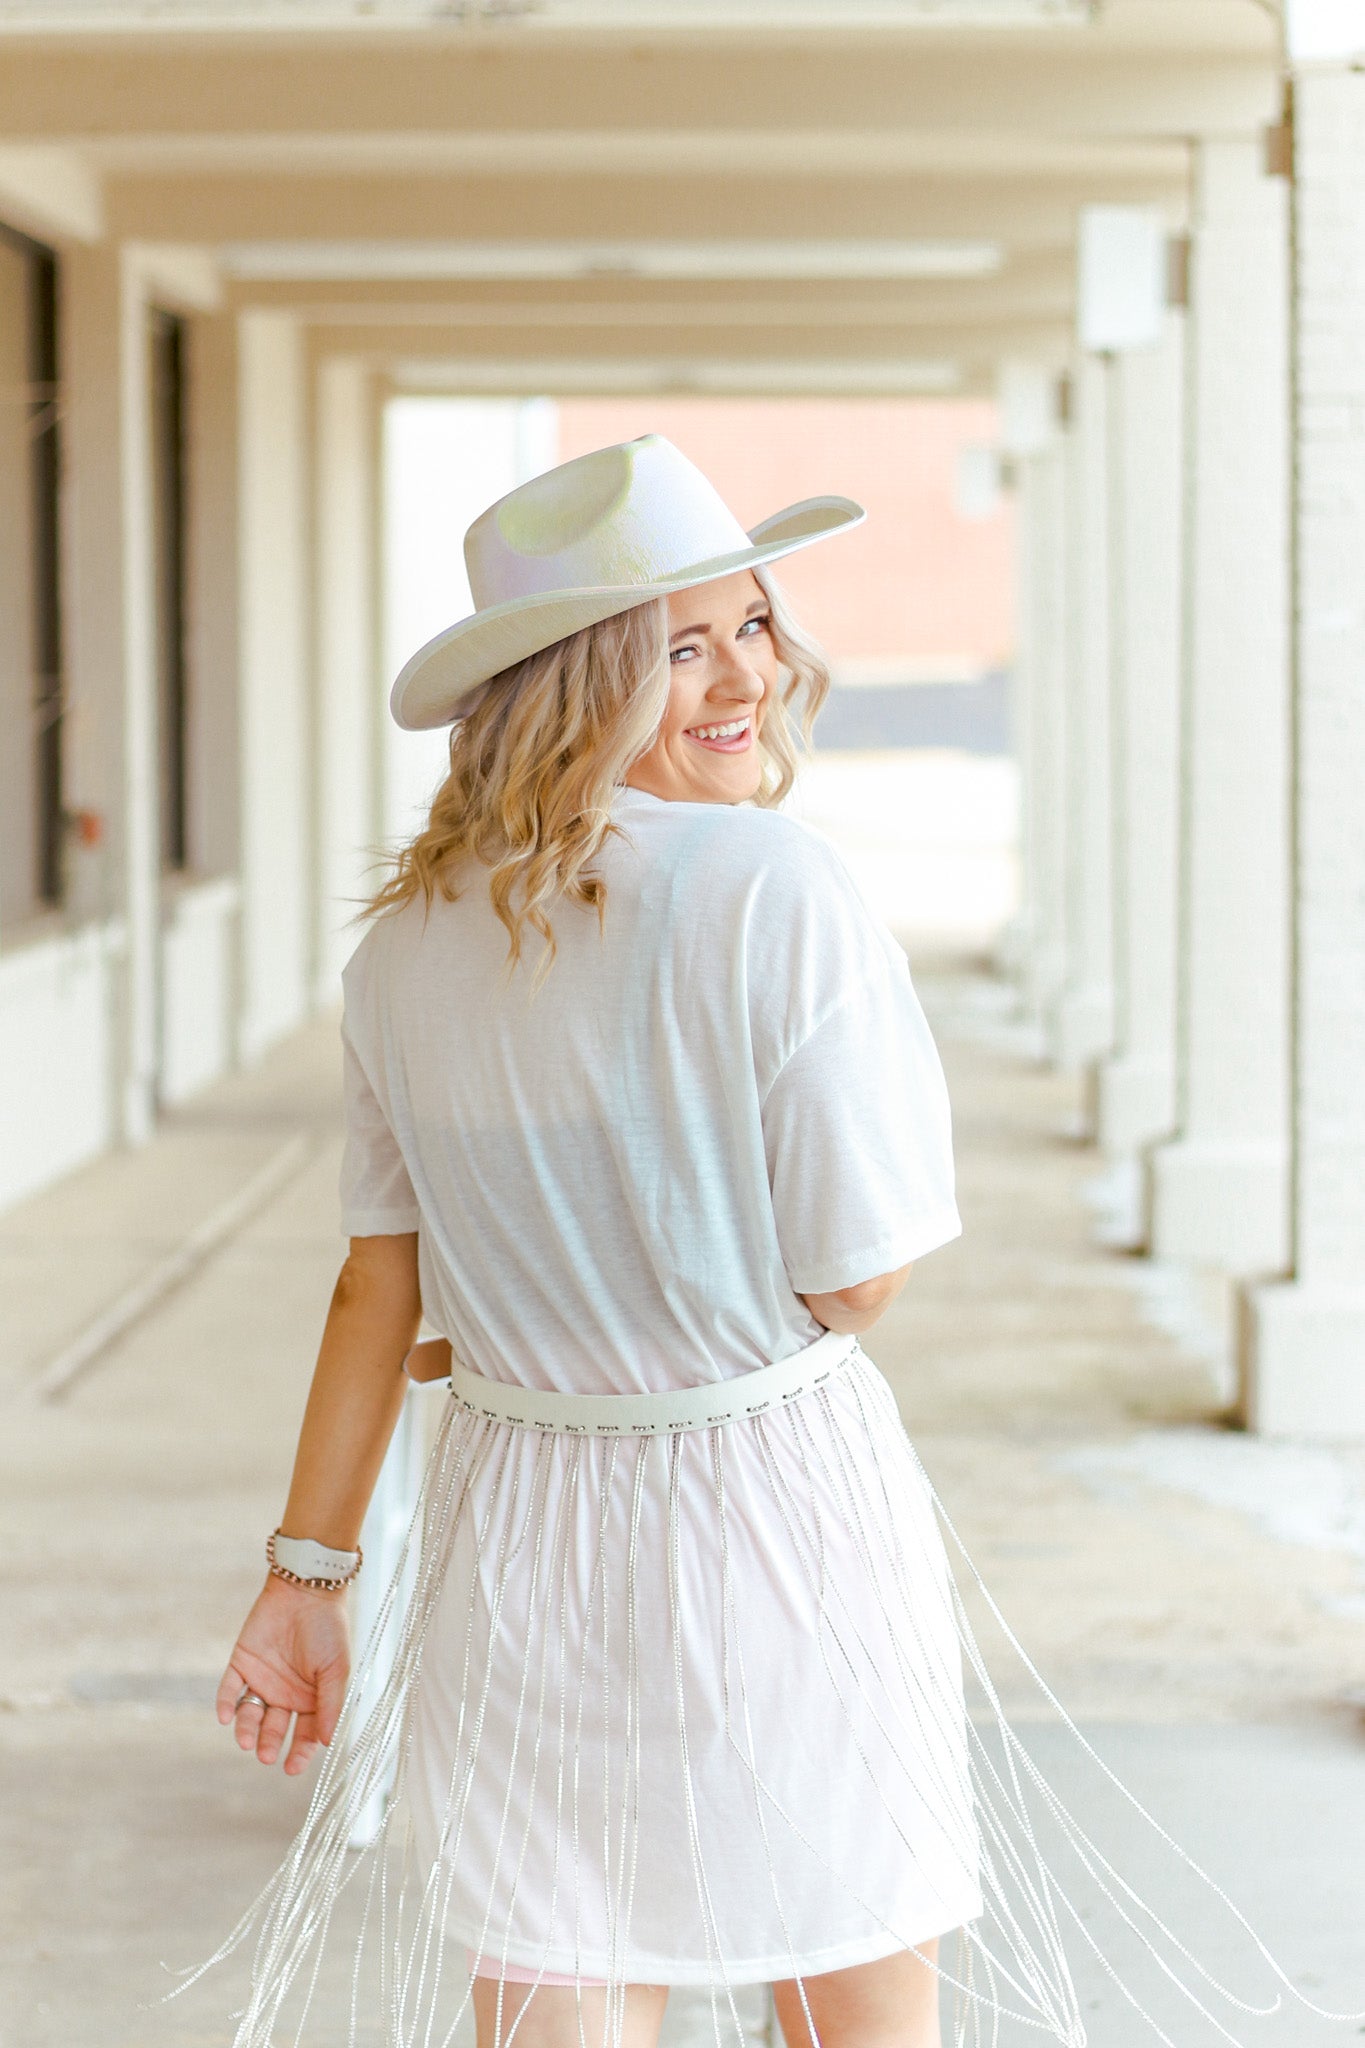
231 239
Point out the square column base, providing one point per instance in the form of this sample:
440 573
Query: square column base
1083 1025
139 1109
1135 1103
1014 947
1303 1361
1041 979
1221 1205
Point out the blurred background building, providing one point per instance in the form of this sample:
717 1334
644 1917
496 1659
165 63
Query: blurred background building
1073 294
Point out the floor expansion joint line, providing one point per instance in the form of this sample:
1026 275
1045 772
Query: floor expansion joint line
98 1338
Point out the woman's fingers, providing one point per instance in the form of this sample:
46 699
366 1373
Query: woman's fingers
331 1684
257 1724
292 1657
230 1689
247 1719
305 1745
313 1731
274 1726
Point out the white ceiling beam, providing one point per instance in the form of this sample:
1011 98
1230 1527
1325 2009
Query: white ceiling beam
1031 270
550 20
92 90
1041 287
1127 24
1046 271
50 193
721 376
179 280
1038 213
536 378
551 152
790 260
867 352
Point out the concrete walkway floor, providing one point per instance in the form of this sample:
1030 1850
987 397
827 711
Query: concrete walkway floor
1195 1598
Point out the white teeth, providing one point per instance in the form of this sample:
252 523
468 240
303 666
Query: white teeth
720 732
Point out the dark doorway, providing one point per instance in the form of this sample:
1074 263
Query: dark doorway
33 861
169 510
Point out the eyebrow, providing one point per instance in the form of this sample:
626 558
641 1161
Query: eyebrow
760 604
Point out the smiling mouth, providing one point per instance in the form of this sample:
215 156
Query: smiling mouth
730 736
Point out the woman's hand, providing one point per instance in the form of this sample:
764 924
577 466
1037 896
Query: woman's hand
295 1651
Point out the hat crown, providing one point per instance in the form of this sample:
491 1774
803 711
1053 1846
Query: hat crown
637 513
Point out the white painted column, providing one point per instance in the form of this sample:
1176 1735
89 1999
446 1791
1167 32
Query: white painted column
348 692
1041 686
1306 1338
1219 1191
110 641
1136 1100
1084 1023
214 625
275 737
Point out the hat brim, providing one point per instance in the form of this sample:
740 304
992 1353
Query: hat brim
435 681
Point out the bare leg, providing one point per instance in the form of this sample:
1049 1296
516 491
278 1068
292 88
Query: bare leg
892 2003
554 2014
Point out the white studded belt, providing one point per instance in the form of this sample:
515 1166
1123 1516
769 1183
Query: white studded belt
733 1400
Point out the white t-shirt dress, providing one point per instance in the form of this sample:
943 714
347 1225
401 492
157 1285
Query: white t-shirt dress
688 1709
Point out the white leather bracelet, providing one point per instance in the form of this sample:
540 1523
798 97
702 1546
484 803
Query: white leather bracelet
306 1563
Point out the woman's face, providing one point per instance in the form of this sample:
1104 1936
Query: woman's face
723 671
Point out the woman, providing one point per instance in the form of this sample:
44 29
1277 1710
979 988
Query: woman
644 1118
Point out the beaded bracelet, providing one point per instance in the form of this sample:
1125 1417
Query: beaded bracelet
320 1583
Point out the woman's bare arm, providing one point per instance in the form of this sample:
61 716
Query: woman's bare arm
851 1310
357 1390
294 1648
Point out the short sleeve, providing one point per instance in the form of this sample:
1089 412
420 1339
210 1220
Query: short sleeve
377 1198
857 1131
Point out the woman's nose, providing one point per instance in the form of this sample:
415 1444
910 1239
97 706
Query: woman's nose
739 676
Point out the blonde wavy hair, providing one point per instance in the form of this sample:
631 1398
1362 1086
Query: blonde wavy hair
537 757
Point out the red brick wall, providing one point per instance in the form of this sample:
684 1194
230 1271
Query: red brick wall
917 582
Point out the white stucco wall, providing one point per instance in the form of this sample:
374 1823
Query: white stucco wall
198 985
60 999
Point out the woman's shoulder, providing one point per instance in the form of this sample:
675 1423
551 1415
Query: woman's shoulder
778 882
387 935
792 871
753 845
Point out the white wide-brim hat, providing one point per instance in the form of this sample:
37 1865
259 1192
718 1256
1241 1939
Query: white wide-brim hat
594 537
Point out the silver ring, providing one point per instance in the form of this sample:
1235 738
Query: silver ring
255 1700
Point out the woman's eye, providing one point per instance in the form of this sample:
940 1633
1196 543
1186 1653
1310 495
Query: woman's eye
677 653
759 625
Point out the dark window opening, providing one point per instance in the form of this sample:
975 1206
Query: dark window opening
169 493
41 409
